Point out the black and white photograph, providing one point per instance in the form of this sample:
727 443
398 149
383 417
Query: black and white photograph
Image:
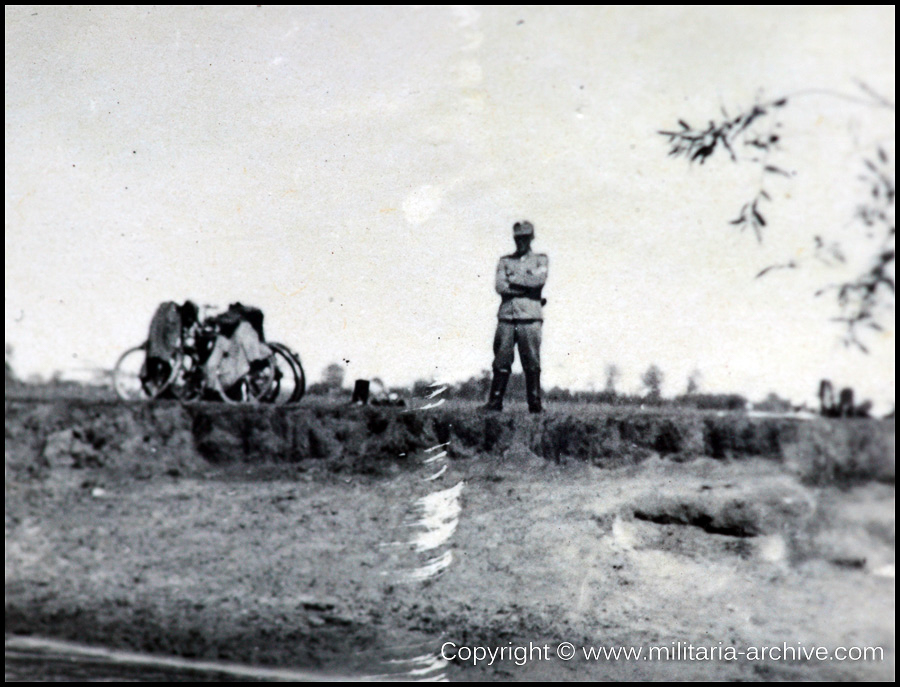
450 343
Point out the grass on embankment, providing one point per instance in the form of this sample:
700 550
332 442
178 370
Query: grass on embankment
150 438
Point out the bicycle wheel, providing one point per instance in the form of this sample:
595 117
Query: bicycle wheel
253 387
131 380
128 372
290 382
187 383
260 381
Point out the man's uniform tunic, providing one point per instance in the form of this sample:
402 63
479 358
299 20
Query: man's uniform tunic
519 281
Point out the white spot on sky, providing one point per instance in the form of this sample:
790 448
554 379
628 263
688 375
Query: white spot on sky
421 204
475 39
466 15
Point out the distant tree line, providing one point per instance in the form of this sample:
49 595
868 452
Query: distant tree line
476 388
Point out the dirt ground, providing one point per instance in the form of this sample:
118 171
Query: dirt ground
370 572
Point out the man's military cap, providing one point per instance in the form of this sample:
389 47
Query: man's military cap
523 229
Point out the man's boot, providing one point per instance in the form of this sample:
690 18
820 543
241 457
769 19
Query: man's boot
498 389
533 390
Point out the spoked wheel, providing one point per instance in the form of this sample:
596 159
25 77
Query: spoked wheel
290 382
253 387
132 380
260 381
128 372
187 384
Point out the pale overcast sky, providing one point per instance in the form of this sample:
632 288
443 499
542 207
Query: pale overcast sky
356 172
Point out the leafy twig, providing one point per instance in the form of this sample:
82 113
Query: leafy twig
858 298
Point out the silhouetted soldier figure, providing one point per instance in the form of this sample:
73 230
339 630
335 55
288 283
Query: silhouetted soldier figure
826 398
846 407
520 279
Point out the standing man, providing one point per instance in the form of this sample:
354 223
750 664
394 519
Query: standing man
520 279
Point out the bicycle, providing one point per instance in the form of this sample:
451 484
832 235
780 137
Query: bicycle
133 381
277 379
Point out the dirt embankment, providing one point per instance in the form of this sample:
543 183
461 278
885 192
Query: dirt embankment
300 537
143 439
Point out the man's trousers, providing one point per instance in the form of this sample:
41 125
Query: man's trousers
525 333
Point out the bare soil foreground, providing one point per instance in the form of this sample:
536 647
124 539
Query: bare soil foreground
359 541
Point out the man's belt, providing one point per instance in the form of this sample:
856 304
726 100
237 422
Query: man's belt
529 297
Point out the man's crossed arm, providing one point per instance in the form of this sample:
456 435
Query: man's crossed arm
519 280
